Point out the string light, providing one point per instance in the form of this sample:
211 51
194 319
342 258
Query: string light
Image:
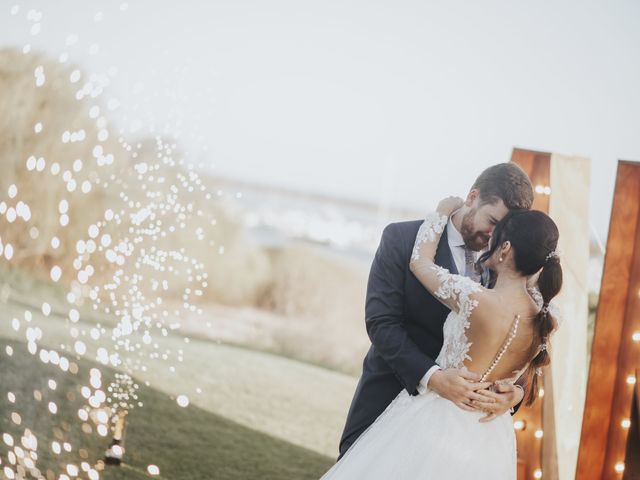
631 379
619 467
538 434
626 423
537 473
541 392
519 425
636 336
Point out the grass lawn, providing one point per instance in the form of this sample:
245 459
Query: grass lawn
299 403
185 443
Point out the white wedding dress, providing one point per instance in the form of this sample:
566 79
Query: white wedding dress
428 437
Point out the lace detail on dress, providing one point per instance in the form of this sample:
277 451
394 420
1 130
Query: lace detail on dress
457 287
456 345
432 226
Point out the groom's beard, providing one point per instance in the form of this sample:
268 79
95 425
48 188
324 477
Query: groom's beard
473 239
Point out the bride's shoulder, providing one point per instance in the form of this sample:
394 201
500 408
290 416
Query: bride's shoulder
488 303
453 284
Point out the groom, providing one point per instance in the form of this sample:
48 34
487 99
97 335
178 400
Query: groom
404 321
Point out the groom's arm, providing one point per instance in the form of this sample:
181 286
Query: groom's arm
384 311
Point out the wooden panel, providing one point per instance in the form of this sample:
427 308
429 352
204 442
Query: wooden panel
538 166
614 356
549 447
632 457
569 208
628 360
522 470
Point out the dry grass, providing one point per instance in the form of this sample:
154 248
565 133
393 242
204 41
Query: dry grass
118 186
298 301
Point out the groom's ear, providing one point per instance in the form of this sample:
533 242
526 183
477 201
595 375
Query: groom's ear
472 196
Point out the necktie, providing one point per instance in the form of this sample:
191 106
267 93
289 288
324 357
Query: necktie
470 265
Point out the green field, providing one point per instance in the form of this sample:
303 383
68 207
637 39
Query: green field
283 398
251 414
185 443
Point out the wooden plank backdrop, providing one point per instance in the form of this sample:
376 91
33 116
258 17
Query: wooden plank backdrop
530 459
615 355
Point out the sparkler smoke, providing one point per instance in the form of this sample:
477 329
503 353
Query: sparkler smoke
105 218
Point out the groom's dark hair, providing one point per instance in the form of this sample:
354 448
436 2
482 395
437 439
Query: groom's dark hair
507 182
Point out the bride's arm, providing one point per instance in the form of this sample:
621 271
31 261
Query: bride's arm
456 292
446 287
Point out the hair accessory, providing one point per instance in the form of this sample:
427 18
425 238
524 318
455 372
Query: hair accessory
543 347
545 308
539 372
552 253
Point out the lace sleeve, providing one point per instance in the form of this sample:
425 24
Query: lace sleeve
452 290
456 291
429 231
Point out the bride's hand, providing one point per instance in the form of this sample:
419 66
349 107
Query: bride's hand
449 205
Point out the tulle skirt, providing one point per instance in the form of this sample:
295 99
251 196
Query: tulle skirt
429 437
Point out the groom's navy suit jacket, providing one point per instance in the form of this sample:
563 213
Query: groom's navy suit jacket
404 322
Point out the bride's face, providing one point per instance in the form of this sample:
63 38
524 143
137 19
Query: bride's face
479 222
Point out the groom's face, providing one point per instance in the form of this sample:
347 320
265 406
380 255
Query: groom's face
479 221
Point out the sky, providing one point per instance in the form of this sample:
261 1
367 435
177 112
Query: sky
397 102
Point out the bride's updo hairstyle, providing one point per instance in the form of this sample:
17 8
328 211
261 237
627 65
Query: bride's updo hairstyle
534 239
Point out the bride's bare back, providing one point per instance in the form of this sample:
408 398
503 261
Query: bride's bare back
500 319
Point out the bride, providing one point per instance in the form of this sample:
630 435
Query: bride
500 333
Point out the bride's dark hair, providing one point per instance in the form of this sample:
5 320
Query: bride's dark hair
534 238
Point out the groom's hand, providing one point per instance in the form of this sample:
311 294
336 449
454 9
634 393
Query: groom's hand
499 402
459 386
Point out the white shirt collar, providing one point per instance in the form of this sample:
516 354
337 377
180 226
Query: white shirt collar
454 236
